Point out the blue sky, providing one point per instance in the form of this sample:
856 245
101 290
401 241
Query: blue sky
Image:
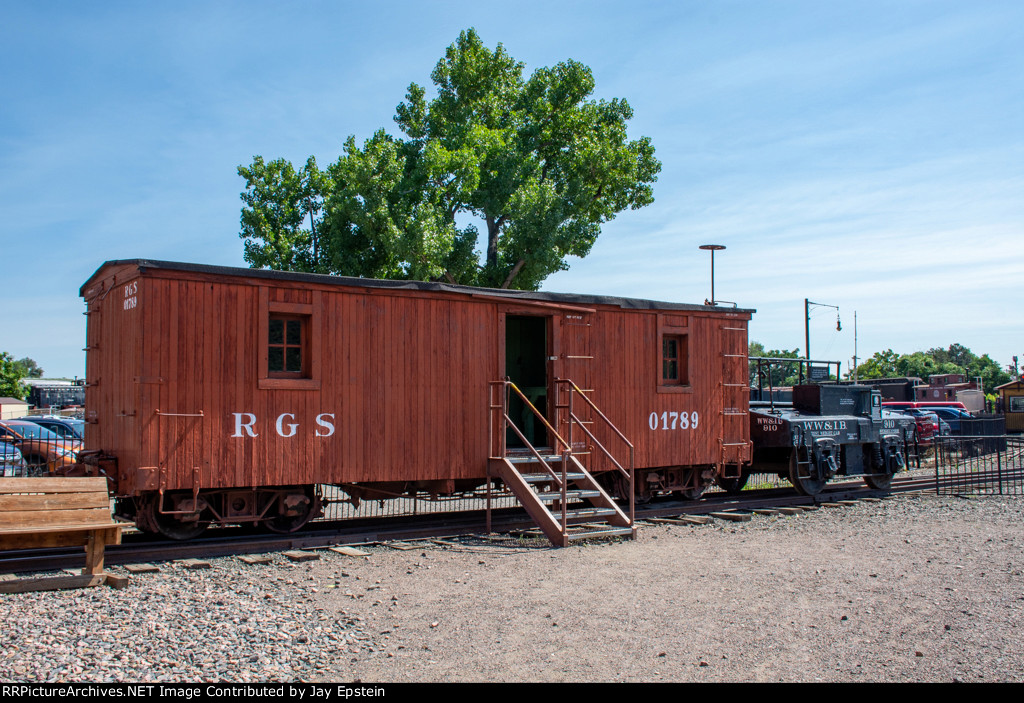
868 155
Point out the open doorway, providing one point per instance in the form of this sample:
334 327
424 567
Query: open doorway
526 351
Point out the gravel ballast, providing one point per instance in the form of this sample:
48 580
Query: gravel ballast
908 589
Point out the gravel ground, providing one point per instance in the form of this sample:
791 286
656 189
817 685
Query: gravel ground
907 589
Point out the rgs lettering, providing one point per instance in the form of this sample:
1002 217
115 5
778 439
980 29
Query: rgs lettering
245 425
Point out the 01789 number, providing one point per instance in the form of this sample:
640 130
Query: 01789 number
673 421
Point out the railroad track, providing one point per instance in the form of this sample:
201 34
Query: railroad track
138 547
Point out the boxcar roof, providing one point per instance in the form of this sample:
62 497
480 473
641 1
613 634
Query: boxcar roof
435 287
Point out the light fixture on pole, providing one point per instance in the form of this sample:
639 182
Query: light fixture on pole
712 248
807 324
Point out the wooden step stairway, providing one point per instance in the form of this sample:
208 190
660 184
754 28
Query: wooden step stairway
555 489
567 505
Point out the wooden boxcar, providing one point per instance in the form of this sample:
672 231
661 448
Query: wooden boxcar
229 395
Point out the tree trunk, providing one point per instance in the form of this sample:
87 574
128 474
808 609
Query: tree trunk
513 272
493 227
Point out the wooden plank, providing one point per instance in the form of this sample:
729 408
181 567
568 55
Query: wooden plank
117 582
765 511
791 511
34 538
734 517
86 484
350 551
193 564
404 546
51 583
300 555
55 501
93 517
255 559
142 568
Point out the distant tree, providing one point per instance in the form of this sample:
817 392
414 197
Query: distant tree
30 368
779 374
991 373
956 359
537 161
11 374
880 365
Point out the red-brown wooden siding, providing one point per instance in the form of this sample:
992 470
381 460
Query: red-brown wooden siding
405 373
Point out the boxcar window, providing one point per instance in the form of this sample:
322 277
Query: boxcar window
285 346
286 342
674 366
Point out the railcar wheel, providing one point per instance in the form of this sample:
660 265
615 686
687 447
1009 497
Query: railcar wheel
690 493
805 485
880 482
150 519
309 509
733 485
35 465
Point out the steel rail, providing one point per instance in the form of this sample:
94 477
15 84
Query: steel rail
138 547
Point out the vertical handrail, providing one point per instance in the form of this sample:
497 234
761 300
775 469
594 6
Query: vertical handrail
627 473
505 423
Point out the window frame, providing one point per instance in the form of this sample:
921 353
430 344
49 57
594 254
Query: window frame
674 327
310 334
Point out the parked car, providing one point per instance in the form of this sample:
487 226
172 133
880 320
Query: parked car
951 416
12 463
45 452
927 423
68 427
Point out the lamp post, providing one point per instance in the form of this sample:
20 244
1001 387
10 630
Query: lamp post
807 324
712 248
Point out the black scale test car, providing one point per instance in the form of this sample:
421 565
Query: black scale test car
829 431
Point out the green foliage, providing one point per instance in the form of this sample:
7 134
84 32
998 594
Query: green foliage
880 365
538 161
777 374
11 373
957 359
29 368
278 200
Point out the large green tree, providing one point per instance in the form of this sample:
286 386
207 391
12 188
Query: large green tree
536 161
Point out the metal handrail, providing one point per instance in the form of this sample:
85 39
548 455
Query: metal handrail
629 475
567 448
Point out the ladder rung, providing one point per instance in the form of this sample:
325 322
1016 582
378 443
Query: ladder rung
741 356
734 413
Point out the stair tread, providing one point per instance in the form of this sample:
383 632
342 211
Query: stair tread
531 459
547 477
600 532
556 495
590 512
